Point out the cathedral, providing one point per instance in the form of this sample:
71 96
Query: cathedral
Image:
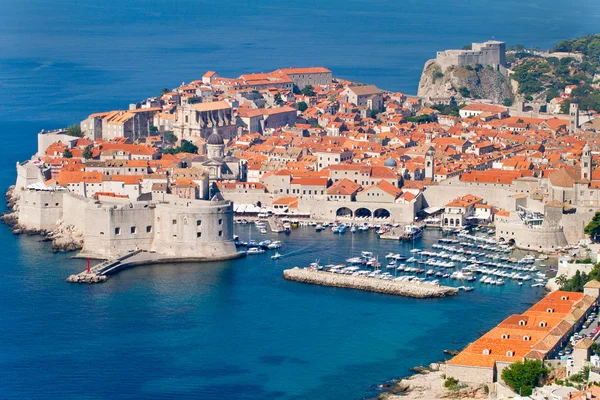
219 166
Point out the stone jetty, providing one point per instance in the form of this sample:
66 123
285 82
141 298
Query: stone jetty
397 288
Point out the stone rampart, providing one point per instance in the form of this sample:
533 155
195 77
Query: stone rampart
40 210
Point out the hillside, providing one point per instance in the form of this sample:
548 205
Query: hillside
471 82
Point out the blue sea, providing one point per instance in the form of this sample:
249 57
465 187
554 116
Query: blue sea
230 330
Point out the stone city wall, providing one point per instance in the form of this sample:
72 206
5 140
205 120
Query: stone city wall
194 228
469 374
40 210
112 230
545 239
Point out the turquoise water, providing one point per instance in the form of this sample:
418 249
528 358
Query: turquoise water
232 329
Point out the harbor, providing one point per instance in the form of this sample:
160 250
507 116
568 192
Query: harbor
464 260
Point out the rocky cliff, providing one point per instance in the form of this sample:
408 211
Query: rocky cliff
463 83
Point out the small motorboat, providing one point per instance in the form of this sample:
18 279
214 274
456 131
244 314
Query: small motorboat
276 256
254 250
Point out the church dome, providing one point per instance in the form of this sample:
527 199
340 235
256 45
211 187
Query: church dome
215 139
390 162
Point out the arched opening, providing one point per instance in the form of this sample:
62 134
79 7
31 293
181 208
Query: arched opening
510 354
381 213
511 242
362 213
486 352
344 212
451 221
445 221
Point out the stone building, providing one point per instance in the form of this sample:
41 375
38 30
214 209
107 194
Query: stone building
367 96
308 76
220 167
200 119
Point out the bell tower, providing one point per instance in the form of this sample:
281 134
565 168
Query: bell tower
586 163
429 164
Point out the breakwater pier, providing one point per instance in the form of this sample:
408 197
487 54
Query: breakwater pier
101 272
398 288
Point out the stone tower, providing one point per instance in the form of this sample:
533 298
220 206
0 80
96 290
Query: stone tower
428 137
215 147
573 117
586 163
429 164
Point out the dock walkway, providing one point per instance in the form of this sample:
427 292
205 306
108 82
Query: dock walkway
99 273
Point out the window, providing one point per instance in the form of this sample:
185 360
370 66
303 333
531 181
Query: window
133 230
198 234
220 222
564 298
505 336
522 323
198 222
149 229
543 324
174 222
510 354
550 310
220 233
117 231
526 338
486 352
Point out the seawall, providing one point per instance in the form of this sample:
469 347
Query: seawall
406 289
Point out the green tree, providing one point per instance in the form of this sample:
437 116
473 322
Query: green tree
507 102
522 377
302 106
67 154
464 92
170 139
278 100
74 130
308 90
87 152
153 129
188 147
593 227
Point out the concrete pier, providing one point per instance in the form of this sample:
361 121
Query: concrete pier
100 272
407 289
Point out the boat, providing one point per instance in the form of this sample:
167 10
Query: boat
411 232
254 250
263 231
319 228
353 229
276 256
354 260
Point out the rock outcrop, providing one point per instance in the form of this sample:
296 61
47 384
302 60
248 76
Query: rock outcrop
63 237
368 284
66 238
463 83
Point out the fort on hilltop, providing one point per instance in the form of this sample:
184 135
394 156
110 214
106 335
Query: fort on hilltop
491 53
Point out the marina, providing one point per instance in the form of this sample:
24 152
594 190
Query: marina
460 259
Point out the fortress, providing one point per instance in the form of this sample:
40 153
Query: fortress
491 53
112 226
